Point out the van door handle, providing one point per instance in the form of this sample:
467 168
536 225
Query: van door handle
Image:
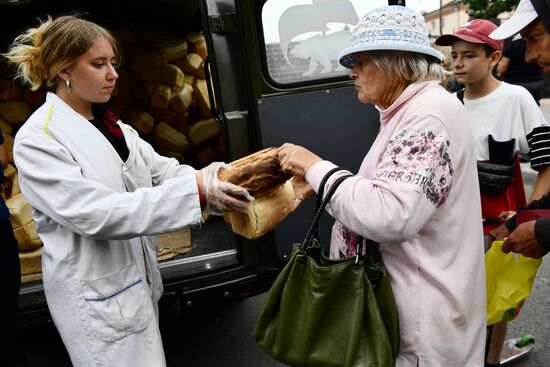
215 107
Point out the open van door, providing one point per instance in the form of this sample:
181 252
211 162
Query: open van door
299 92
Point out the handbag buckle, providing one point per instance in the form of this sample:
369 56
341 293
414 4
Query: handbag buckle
358 248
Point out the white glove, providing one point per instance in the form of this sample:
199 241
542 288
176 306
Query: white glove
221 196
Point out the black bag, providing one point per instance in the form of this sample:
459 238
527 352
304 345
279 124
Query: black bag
496 175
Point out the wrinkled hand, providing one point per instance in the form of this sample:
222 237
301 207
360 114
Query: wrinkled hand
522 240
221 197
499 233
296 160
302 190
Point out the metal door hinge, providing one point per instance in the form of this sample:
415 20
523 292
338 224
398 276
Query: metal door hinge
221 23
217 24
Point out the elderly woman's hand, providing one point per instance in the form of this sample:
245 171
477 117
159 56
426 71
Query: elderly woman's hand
296 160
302 190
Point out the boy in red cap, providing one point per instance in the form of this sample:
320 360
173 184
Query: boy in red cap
504 120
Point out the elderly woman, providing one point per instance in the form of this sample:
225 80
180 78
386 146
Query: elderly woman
416 192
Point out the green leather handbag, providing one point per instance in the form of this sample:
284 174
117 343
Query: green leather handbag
327 313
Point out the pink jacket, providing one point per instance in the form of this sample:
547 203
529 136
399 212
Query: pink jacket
417 194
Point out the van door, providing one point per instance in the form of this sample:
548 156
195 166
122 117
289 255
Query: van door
299 91
284 56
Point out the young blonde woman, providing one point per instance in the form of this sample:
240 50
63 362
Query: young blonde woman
99 193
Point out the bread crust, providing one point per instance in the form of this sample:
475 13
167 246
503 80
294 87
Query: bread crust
264 214
260 173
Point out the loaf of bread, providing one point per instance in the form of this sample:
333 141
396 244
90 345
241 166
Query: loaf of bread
20 210
27 238
263 214
8 142
200 90
166 74
189 63
161 96
204 130
147 59
200 48
140 119
31 261
260 173
173 49
177 120
181 101
168 138
15 112
189 79
7 128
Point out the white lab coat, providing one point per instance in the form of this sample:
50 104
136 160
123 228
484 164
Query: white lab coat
96 215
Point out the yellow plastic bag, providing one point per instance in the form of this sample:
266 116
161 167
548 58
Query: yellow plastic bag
509 281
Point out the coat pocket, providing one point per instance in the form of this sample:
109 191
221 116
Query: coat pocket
118 305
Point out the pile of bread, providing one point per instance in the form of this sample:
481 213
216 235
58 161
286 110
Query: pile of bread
24 228
162 92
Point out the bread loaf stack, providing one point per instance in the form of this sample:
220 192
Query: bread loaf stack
24 228
260 173
162 92
16 105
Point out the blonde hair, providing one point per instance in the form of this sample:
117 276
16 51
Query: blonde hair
410 66
41 53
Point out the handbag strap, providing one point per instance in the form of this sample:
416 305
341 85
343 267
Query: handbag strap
321 190
314 228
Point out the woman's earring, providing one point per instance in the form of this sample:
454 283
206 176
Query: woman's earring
68 82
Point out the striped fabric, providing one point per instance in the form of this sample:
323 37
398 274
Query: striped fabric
539 144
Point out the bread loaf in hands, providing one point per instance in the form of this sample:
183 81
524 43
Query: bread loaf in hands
263 214
260 174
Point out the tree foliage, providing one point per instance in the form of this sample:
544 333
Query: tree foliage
488 9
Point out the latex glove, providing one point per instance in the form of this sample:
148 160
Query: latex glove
221 197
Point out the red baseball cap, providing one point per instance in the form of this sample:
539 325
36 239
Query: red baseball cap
475 31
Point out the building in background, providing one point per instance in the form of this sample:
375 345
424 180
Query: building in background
446 20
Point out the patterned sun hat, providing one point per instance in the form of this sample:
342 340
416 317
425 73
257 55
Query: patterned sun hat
391 27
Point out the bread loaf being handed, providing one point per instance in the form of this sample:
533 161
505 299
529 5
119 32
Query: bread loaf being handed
260 174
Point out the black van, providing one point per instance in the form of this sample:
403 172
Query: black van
272 76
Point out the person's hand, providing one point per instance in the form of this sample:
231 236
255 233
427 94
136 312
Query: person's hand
499 233
220 196
295 159
522 240
302 190
505 215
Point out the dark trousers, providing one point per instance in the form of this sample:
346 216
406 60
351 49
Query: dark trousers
11 353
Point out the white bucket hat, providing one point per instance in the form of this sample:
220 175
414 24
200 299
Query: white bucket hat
392 27
525 13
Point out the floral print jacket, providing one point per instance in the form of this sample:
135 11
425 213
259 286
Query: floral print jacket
416 193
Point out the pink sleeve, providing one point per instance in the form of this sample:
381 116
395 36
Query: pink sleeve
411 180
